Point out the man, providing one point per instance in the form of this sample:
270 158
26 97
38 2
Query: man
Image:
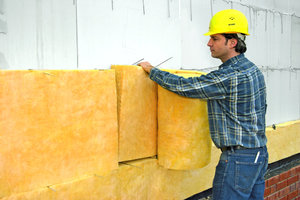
236 100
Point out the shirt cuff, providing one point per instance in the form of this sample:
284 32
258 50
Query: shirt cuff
153 73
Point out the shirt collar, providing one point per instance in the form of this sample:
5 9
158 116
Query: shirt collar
232 60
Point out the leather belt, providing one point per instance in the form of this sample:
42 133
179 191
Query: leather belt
232 148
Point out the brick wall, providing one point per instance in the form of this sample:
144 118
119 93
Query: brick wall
285 186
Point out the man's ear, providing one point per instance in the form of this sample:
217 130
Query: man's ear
233 42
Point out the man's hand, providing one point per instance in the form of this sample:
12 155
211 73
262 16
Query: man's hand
146 66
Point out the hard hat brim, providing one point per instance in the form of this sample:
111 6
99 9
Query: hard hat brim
213 33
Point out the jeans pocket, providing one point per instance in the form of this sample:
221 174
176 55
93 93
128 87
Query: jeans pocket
246 174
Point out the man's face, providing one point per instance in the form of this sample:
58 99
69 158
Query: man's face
219 48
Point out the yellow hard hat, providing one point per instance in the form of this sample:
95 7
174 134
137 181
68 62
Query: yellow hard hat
228 21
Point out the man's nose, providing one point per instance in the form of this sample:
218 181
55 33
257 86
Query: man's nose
209 43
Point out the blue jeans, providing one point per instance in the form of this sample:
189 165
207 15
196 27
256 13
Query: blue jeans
240 174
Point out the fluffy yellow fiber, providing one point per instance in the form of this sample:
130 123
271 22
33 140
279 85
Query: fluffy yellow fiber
137 105
56 126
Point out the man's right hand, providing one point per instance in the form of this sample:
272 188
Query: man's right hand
146 66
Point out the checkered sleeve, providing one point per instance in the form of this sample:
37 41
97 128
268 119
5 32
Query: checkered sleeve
210 86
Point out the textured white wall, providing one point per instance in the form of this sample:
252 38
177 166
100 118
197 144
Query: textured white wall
88 34
40 34
127 32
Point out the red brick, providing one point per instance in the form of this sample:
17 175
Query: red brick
273 189
293 187
267 192
283 198
284 192
272 180
292 180
273 196
292 195
284 175
298 185
293 171
298 169
281 185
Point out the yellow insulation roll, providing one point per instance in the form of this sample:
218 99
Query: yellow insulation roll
183 132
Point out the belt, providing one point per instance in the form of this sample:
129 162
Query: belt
232 148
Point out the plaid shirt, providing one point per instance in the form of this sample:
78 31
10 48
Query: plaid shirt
236 100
